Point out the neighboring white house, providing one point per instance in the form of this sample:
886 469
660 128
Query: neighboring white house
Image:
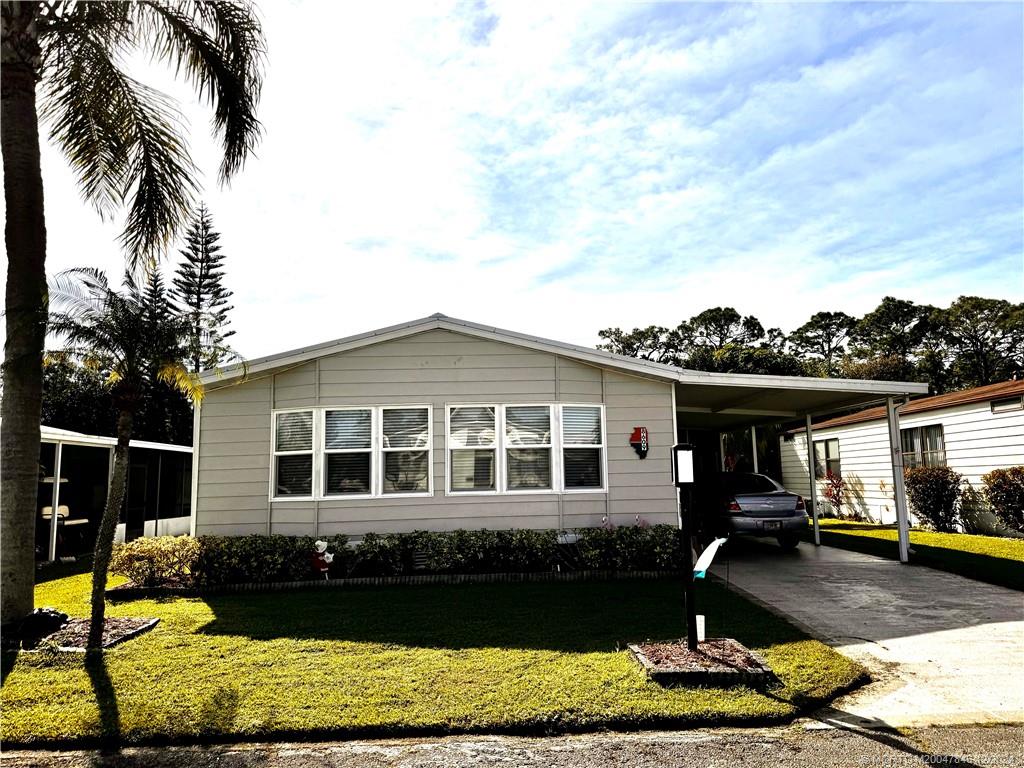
440 424
973 432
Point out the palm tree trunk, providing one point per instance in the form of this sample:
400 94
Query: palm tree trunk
26 306
108 526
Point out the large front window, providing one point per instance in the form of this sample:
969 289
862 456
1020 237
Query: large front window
329 453
525 448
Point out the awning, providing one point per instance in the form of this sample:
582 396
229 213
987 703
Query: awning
732 401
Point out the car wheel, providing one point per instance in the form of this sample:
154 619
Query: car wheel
789 541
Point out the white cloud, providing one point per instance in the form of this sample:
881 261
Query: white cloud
560 169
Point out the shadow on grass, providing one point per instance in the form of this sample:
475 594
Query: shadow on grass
8 658
46 572
569 617
106 701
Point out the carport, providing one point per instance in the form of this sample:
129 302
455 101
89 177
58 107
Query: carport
711 404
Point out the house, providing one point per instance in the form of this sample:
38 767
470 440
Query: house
973 432
441 424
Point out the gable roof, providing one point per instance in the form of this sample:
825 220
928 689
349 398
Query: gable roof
925 404
588 355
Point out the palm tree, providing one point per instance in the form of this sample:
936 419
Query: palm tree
138 338
126 145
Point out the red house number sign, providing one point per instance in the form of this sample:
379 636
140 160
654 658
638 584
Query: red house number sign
639 441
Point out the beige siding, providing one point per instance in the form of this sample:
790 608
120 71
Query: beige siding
436 367
977 441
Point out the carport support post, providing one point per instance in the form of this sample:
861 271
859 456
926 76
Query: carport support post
753 445
892 410
814 481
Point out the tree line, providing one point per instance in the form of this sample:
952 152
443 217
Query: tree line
972 342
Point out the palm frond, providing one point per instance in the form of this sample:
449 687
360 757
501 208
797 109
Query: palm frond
219 47
122 138
178 377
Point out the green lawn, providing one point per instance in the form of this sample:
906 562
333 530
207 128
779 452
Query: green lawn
376 661
993 559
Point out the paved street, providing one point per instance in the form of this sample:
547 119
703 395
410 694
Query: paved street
792 746
943 649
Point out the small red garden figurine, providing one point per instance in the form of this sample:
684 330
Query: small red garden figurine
322 559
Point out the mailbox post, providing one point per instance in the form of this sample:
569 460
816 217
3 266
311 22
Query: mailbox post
682 475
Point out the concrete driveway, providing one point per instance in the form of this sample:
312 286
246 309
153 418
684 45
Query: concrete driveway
942 649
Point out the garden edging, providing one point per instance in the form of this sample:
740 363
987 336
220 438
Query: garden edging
131 591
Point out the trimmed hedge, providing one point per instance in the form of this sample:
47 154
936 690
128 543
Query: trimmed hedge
209 561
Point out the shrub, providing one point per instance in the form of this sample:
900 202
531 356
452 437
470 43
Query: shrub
655 547
156 561
934 493
1004 491
254 558
217 560
835 492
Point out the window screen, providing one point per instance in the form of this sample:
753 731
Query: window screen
528 467
348 452
472 442
405 438
293 454
582 446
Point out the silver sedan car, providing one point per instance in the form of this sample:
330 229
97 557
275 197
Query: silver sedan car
748 504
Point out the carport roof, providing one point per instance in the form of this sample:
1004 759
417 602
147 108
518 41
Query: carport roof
708 399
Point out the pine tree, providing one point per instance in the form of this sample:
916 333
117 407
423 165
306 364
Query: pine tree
199 289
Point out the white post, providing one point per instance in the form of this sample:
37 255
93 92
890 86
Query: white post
721 449
58 452
892 409
753 445
814 480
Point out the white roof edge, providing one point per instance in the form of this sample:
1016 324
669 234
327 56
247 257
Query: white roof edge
586 354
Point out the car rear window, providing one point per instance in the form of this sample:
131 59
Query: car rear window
742 482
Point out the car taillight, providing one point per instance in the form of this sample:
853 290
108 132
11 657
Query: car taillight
800 503
734 507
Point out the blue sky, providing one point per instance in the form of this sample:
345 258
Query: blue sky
560 170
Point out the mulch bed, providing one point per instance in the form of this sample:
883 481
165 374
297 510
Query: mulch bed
717 661
73 635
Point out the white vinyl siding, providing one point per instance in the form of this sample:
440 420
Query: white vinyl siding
976 441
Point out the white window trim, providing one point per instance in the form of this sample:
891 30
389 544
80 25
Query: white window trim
603 447
274 453
325 452
320 451
553 415
381 450
499 468
501 480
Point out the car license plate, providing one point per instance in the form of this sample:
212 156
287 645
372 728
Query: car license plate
773 525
